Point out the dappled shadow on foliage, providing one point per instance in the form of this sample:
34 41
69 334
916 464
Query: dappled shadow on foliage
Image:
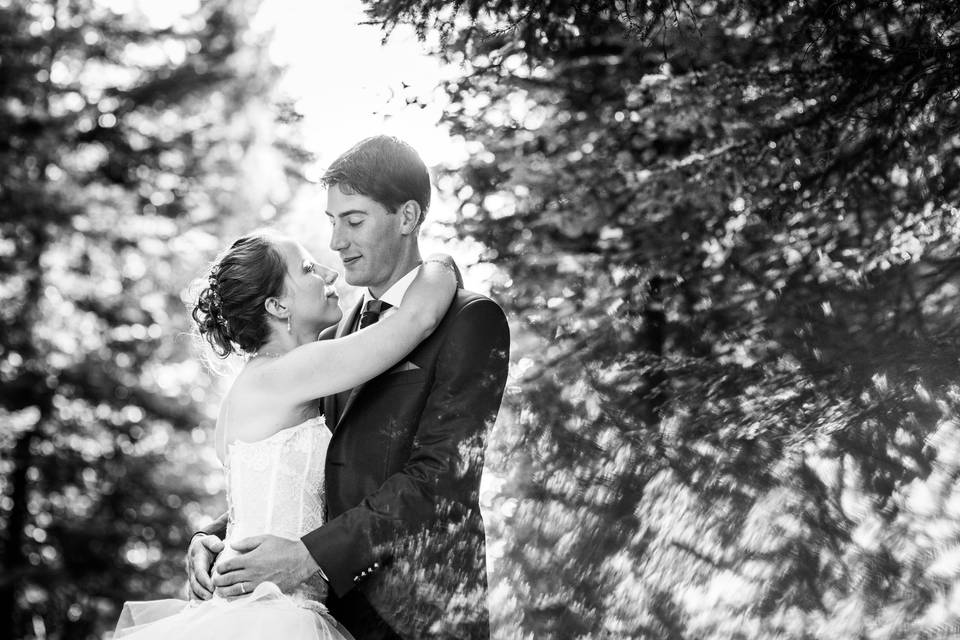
728 232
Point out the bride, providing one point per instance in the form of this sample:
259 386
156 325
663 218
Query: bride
268 299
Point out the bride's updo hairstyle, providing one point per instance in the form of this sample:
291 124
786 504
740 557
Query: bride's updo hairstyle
229 311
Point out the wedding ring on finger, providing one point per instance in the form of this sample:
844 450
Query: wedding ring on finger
243 589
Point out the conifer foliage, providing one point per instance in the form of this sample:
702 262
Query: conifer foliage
124 145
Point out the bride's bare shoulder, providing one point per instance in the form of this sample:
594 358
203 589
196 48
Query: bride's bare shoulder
252 410
242 411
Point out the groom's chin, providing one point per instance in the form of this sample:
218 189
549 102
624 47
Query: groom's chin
352 278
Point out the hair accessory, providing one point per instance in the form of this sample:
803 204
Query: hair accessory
213 286
216 302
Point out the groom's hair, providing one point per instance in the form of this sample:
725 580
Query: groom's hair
385 169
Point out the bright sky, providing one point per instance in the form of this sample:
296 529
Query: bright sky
349 85
345 80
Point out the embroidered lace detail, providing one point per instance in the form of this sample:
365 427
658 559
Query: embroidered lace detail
275 485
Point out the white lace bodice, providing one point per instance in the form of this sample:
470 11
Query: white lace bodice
275 485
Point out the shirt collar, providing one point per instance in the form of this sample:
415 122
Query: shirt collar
394 295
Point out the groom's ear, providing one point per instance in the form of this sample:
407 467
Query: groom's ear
410 215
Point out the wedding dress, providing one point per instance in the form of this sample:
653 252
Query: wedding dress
274 486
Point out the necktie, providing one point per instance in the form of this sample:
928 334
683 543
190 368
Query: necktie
371 312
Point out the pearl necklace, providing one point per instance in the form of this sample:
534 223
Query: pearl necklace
257 354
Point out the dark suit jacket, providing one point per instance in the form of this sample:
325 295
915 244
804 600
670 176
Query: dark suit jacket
404 537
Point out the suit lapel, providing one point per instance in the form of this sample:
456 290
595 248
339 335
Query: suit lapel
335 405
351 396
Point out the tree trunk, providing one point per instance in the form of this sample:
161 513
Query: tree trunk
14 560
654 334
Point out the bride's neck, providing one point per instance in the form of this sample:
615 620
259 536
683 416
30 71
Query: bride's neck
281 343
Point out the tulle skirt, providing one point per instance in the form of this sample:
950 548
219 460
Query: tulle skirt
265 613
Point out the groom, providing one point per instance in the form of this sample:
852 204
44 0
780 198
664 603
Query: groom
403 548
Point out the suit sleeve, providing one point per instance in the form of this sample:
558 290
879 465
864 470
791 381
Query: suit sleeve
442 474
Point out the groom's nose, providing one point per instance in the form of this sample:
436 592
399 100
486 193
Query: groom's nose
338 242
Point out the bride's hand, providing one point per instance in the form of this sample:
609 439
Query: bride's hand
202 552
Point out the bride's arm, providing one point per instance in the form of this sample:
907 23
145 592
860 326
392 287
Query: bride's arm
322 368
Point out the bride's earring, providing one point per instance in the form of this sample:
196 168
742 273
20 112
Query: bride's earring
289 326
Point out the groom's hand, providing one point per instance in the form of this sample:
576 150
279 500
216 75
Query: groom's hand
286 563
200 555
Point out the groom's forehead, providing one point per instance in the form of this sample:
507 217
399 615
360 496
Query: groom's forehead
340 203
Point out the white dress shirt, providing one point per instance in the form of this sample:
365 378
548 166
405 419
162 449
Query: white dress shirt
394 295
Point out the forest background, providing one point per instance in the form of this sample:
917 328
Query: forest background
726 234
